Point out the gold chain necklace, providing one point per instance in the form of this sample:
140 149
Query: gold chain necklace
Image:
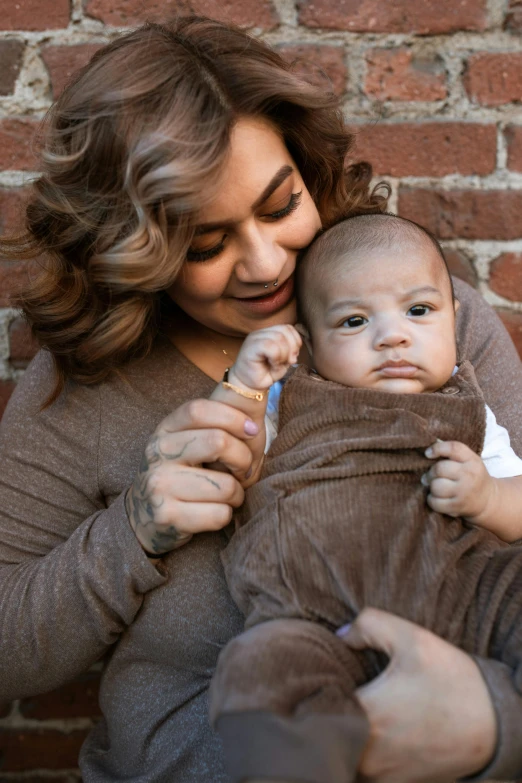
217 346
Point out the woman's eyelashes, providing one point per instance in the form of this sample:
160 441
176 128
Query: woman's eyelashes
295 200
205 255
215 250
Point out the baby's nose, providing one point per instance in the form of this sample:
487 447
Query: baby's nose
392 336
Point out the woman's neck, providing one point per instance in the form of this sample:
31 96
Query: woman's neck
210 351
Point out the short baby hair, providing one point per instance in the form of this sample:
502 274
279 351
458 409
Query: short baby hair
356 234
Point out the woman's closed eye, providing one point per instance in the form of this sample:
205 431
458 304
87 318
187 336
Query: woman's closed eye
419 310
291 206
206 253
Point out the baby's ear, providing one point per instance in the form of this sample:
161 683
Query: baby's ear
305 334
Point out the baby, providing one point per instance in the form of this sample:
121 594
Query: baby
348 509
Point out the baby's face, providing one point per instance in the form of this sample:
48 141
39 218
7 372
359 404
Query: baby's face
385 321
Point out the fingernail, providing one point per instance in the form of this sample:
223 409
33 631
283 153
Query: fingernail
343 630
424 481
428 452
251 427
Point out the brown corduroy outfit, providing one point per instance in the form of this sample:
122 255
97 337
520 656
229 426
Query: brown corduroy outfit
75 584
339 521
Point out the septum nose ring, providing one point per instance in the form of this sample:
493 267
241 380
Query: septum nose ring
276 281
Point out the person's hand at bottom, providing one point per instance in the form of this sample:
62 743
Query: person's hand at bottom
430 713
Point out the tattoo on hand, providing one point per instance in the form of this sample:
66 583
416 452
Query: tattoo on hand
210 481
140 504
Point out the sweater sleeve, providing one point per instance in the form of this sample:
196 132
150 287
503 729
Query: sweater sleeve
506 764
483 340
72 574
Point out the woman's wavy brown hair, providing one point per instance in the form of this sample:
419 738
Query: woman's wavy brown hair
128 152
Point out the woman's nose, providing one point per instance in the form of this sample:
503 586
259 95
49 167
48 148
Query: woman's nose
261 258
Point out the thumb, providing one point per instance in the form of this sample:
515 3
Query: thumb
377 629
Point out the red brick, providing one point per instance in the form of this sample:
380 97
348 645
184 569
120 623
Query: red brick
513 135
39 749
35 14
466 214
319 64
6 389
11 56
428 149
513 323
16 142
78 699
124 13
63 61
12 213
461 266
13 275
505 276
494 79
400 16
513 21
401 75
22 345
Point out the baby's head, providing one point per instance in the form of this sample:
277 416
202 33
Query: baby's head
377 307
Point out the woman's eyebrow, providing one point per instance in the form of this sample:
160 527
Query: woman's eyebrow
278 179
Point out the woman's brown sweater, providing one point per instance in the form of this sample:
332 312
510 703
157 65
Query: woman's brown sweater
75 585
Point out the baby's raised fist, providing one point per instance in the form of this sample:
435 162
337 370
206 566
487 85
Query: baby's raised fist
266 355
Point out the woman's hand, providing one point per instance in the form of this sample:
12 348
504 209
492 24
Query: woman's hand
431 717
173 496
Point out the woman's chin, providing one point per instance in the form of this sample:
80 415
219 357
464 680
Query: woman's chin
234 324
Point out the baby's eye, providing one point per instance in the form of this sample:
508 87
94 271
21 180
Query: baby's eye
355 321
419 309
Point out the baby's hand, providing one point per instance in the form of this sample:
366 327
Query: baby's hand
459 483
266 355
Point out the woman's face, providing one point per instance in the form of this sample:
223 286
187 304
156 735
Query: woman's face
248 237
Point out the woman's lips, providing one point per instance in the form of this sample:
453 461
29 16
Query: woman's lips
397 370
270 303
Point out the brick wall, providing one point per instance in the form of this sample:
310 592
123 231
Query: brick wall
433 90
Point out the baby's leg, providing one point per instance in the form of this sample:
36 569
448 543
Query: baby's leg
282 702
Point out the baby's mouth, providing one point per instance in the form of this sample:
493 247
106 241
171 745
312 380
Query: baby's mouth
397 368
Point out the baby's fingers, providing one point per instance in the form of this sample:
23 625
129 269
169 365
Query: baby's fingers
277 354
296 342
450 449
446 506
444 468
443 488
289 342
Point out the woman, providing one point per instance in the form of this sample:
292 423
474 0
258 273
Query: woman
183 171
